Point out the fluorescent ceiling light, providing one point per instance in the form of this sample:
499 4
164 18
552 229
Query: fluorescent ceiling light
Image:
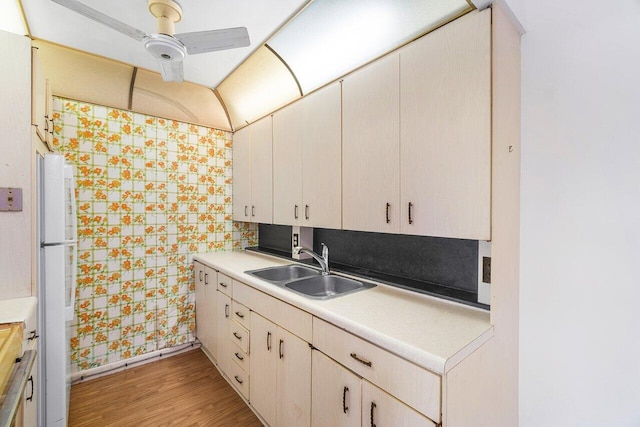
332 37
11 17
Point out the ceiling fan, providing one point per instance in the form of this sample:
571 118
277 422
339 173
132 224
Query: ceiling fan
166 46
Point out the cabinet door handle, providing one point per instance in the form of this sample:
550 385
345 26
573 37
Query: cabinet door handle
222 284
46 123
410 209
345 408
245 210
361 360
281 349
239 357
387 213
30 398
200 276
295 211
206 278
32 335
226 311
52 127
373 406
306 211
253 210
268 341
235 334
240 315
238 379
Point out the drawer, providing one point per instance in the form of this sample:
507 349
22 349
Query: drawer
239 335
225 284
415 386
241 314
291 318
239 379
240 357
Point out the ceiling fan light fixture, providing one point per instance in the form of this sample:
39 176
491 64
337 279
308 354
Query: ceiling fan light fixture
165 48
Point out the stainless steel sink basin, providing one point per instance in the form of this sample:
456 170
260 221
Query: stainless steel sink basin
325 287
284 273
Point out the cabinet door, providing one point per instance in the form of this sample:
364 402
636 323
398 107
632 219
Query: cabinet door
336 394
223 346
264 358
261 171
371 148
38 96
287 165
445 131
201 304
242 175
382 409
211 304
294 381
321 152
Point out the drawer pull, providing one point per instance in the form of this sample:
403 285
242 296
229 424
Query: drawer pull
268 341
361 360
373 406
240 315
345 408
239 357
226 311
32 335
240 381
281 349
388 206
221 284
410 208
235 334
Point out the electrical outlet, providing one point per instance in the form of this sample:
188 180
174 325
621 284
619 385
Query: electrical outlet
11 199
296 239
486 269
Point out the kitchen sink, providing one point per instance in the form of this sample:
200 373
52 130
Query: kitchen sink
285 273
327 286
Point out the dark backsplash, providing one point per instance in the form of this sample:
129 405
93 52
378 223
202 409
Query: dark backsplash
450 263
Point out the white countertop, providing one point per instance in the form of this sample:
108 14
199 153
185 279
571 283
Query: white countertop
430 332
17 309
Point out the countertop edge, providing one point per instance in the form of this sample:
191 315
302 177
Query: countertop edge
17 309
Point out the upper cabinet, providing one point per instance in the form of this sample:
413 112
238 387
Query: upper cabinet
41 114
252 173
371 148
307 161
445 131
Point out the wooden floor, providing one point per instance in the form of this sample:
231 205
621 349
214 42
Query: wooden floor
182 390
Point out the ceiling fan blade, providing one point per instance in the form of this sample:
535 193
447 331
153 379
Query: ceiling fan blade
172 71
100 17
210 41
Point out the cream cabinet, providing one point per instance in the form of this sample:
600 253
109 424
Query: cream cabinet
41 105
371 148
223 323
307 183
336 394
381 409
252 173
280 388
445 131
206 307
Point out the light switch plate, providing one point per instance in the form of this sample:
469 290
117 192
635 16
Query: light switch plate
10 199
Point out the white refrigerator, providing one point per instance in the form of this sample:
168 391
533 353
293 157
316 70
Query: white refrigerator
56 285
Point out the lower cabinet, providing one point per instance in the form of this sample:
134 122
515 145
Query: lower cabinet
280 389
222 324
337 394
206 303
381 409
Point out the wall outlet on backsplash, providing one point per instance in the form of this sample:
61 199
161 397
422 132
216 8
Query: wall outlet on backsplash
301 236
484 258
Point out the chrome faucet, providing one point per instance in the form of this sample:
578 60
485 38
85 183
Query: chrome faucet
322 260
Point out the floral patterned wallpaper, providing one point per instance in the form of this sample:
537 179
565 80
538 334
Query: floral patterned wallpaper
151 192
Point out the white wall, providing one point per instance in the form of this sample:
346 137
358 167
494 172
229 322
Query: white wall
580 214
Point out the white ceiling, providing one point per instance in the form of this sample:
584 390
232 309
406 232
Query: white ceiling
54 23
